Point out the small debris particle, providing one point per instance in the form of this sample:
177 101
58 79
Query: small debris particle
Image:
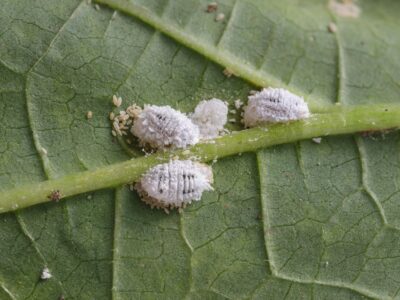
186 152
233 120
134 111
228 72
317 140
43 151
61 297
117 101
233 111
220 17
212 7
89 197
113 133
332 27
45 274
344 8
89 115
116 127
112 116
55 196
238 103
97 7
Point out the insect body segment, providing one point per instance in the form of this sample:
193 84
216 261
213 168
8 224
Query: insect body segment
274 106
175 184
162 127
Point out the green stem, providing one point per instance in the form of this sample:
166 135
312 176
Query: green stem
362 118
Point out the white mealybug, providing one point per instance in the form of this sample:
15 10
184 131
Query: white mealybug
175 184
163 126
210 116
45 274
274 106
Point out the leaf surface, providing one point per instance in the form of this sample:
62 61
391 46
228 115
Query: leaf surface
294 221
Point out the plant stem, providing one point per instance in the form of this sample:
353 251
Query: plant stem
350 120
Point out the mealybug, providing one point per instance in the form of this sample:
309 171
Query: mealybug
274 106
210 116
45 274
175 184
163 126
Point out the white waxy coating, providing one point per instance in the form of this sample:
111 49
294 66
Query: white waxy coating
274 106
210 116
176 183
163 126
45 274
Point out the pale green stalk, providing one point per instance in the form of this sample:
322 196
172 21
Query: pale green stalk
361 118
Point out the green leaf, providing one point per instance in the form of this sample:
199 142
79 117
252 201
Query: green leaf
295 221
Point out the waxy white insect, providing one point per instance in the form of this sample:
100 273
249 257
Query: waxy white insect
210 116
45 274
274 106
163 126
175 184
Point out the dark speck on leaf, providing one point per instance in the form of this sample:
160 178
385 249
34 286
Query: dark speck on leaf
55 196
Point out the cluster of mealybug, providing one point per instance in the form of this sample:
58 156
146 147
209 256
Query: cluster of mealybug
210 116
274 106
163 127
175 184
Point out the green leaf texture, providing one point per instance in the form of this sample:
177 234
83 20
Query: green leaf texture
298 221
